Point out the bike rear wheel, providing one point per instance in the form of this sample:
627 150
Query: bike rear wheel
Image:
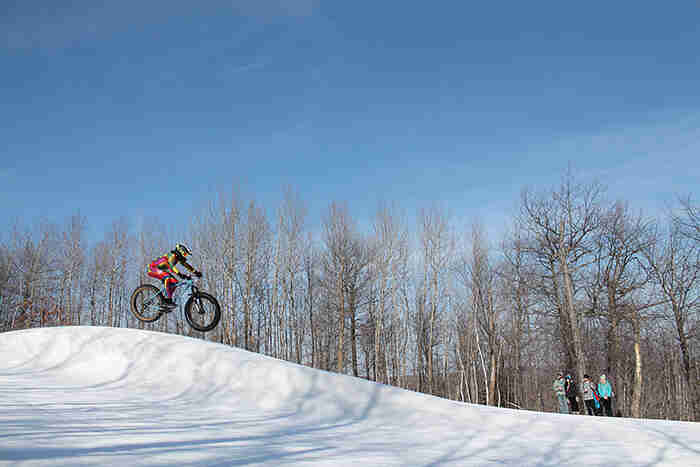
145 303
202 312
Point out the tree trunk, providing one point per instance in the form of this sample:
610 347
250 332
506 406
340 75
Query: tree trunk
635 406
353 335
573 317
492 377
340 364
687 374
613 343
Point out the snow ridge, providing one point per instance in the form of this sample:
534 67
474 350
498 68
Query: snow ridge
96 396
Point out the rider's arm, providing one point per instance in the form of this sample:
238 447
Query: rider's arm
188 267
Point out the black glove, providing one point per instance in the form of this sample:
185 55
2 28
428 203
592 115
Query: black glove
197 273
185 276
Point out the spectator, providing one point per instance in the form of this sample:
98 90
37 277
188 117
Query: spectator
589 395
606 394
559 387
598 408
571 393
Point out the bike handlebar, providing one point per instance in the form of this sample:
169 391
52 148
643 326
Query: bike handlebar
188 277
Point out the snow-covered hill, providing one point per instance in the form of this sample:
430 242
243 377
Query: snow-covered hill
104 396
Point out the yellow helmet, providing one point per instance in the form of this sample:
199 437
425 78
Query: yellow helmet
183 250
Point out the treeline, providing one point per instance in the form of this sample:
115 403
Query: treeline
578 283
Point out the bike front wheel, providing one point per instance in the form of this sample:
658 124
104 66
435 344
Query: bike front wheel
202 312
145 303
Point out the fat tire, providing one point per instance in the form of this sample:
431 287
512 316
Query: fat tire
149 290
188 311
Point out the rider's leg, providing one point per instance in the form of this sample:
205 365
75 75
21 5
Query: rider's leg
168 302
156 273
169 282
162 276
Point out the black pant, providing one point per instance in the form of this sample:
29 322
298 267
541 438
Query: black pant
606 405
573 404
590 405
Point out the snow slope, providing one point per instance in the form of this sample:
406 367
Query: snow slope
106 396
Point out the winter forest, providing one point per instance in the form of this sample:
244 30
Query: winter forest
577 282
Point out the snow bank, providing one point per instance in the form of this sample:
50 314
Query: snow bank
95 396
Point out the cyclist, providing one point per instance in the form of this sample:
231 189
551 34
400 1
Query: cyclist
165 267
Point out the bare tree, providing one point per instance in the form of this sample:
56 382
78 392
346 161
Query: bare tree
5 286
311 281
117 257
437 250
561 227
255 248
620 275
345 268
288 281
72 254
230 216
516 277
478 275
32 274
388 264
674 266
688 222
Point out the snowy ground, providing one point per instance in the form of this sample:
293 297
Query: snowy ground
104 396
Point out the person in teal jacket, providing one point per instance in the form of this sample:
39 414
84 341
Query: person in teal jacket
606 394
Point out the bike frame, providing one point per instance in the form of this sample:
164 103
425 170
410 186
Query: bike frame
179 292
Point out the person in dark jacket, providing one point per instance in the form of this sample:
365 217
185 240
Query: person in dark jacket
571 393
598 407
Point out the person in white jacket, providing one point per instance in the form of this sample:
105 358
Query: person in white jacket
559 387
589 397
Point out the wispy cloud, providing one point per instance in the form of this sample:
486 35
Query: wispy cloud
231 71
249 67
275 8
649 163
52 27
664 141
7 173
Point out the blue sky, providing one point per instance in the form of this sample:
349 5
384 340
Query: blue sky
141 109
